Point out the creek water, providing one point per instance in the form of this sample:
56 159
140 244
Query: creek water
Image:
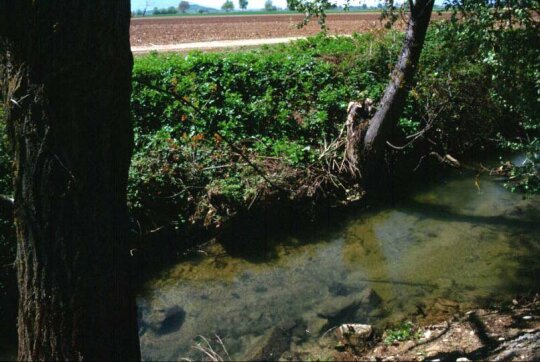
461 243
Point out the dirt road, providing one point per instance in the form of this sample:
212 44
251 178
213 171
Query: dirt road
210 45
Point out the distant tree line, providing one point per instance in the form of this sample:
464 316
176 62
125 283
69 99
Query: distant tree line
183 6
165 11
171 10
227 6
269 6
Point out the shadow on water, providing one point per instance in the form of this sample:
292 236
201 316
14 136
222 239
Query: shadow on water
397 282
448 241
527 273
256 236
447 213
522 224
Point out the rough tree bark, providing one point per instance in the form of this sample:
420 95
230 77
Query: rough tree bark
372 144
69 124
393 101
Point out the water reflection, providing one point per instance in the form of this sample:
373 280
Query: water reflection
454 242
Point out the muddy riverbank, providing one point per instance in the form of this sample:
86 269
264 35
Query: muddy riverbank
508 331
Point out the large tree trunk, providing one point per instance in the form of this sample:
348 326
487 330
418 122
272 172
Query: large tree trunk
391 106
70 127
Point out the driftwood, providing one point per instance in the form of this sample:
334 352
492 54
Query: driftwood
358 114
449 160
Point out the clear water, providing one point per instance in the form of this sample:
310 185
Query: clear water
454 242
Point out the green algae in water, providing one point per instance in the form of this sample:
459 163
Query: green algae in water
453 242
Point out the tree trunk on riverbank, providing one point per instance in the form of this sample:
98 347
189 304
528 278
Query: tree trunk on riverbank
372 144
66 85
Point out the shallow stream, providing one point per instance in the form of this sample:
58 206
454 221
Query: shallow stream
462 243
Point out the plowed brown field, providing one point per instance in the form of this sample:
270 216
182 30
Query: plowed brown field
181 29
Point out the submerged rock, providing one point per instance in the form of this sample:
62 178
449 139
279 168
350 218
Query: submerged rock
339 289
272 344
370 301
165 321
446 307
349 308
316 326
339 307
352 310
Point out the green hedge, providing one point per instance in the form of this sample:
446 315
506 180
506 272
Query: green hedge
278 103
298 93
287 101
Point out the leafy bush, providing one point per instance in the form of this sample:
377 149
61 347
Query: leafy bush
505 53
278 105
403 332
497 41
524 176
283 104
299 93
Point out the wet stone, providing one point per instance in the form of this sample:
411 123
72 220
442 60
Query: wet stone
446 305
349 308
272 344
260 289
339 289
316 326
165 321
354 334
340 307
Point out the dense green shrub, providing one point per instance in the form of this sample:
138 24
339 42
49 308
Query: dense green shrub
286 102
481 77
278 103
485 79
299 93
